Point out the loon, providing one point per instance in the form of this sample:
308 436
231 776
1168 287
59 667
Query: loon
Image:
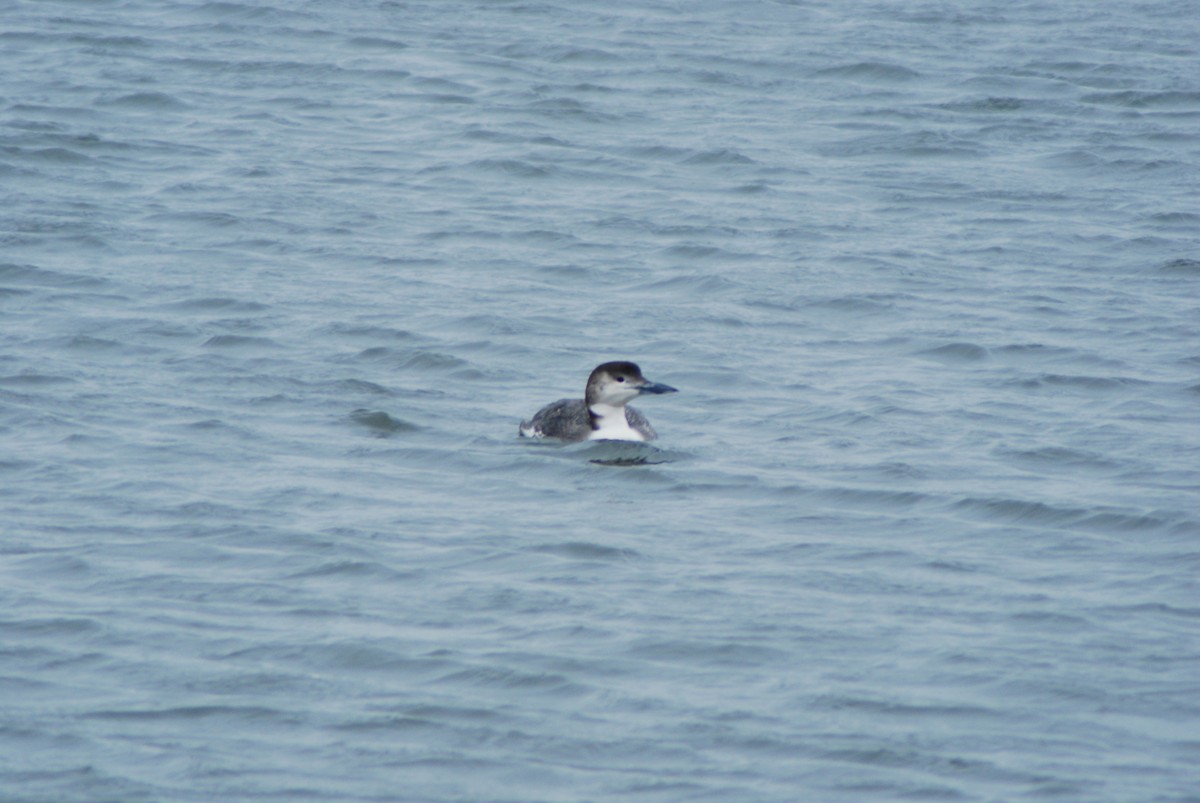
602 413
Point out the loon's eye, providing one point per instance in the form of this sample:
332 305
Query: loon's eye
620 379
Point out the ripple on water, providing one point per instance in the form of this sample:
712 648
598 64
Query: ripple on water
35 380
232 714
550 684
149 101
242 343
1053 458
34 275
956 352
418 359
1182 267
216 304
870 71
1134 99
1075 382
586 551
50 627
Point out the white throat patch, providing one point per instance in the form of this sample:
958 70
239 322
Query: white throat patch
612 424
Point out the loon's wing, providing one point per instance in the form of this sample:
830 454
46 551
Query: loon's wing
638 421
566 419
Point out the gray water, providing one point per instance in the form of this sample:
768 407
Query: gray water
278 282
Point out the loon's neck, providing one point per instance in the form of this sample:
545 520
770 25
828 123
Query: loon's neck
610 424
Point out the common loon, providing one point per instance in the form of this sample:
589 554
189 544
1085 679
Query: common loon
602 414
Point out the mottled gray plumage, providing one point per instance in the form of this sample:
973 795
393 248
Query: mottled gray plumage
603 412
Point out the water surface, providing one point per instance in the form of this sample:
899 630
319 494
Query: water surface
278 282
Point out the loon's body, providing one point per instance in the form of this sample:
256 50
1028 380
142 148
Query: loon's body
603 413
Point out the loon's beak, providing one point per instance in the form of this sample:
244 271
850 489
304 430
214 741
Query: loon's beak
656 387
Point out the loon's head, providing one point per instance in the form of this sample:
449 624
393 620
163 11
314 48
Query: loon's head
614 384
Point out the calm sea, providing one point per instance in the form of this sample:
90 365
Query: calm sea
279 280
